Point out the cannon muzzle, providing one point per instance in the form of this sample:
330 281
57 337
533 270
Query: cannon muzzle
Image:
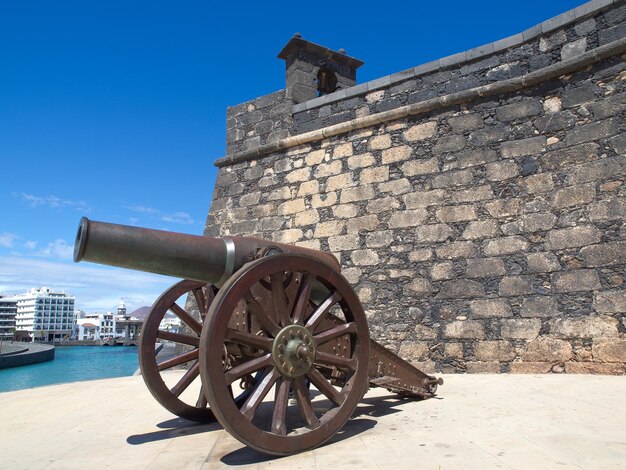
174 254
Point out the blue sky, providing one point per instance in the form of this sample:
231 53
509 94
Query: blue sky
116 110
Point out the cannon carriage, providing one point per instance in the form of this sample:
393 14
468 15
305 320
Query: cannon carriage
270 319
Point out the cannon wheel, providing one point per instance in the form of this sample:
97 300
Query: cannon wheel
151 369
294 328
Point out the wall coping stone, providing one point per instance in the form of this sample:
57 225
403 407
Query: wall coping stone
541 29
505 86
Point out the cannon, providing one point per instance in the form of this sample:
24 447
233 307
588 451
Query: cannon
267 317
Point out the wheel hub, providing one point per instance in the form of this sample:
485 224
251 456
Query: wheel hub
293 351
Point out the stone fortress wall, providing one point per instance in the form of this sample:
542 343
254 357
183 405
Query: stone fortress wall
476 203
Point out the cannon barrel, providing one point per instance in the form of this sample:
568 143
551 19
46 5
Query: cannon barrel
200 258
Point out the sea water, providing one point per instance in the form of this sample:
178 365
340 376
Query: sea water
72 364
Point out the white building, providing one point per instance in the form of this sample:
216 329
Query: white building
8 309
46 315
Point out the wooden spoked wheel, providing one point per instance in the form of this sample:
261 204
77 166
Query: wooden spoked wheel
184 344
312 331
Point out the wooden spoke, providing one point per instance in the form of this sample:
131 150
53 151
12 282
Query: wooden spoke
201 402
201 301
259 393
322 310
304 400
266 321
304 292
281 401
186 318
335 332
186 380
337 361
178 360
179 338
280 298
258 342
248 368
325 387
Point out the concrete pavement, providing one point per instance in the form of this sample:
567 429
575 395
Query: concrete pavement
478 421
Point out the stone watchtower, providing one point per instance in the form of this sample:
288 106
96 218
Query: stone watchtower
314 70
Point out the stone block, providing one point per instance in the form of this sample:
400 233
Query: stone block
547 349
610 301
383 205
379 142
420 286
442 271
362 160
515 285
573 49
489 135
352 275
418 256
480 367
505 246
337 182
478 193
572 237
299 175
574 196
291 207
480 229
594 131
605 254
306 218
330 228
365 257
537 222
449 143
395 187
575 281
344 242
309 187
504 208
325 200
453 178
454 350
530 367
419 199
287 236
555 122
539 307
520 328
425 332
580 94
408 218
520 148
328 169
420 131
612 209
542 262
494 351
434 233
539 183
500 171
367 222
413 350
469 158
595 368
457 250
567 157
280 194
552 104
379 239
490 308
374 175
485 267
466 122
461 289
613 350
358 193
520 110
420 167
315 158
584 327
396 154
467 329
250 199
456 213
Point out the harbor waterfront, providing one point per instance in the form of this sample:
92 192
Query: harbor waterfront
73 364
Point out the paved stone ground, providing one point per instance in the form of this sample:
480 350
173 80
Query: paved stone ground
478 421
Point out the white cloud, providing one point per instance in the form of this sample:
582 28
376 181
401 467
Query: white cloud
30 244
57 249
7 239
183 218
96 288
54 202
